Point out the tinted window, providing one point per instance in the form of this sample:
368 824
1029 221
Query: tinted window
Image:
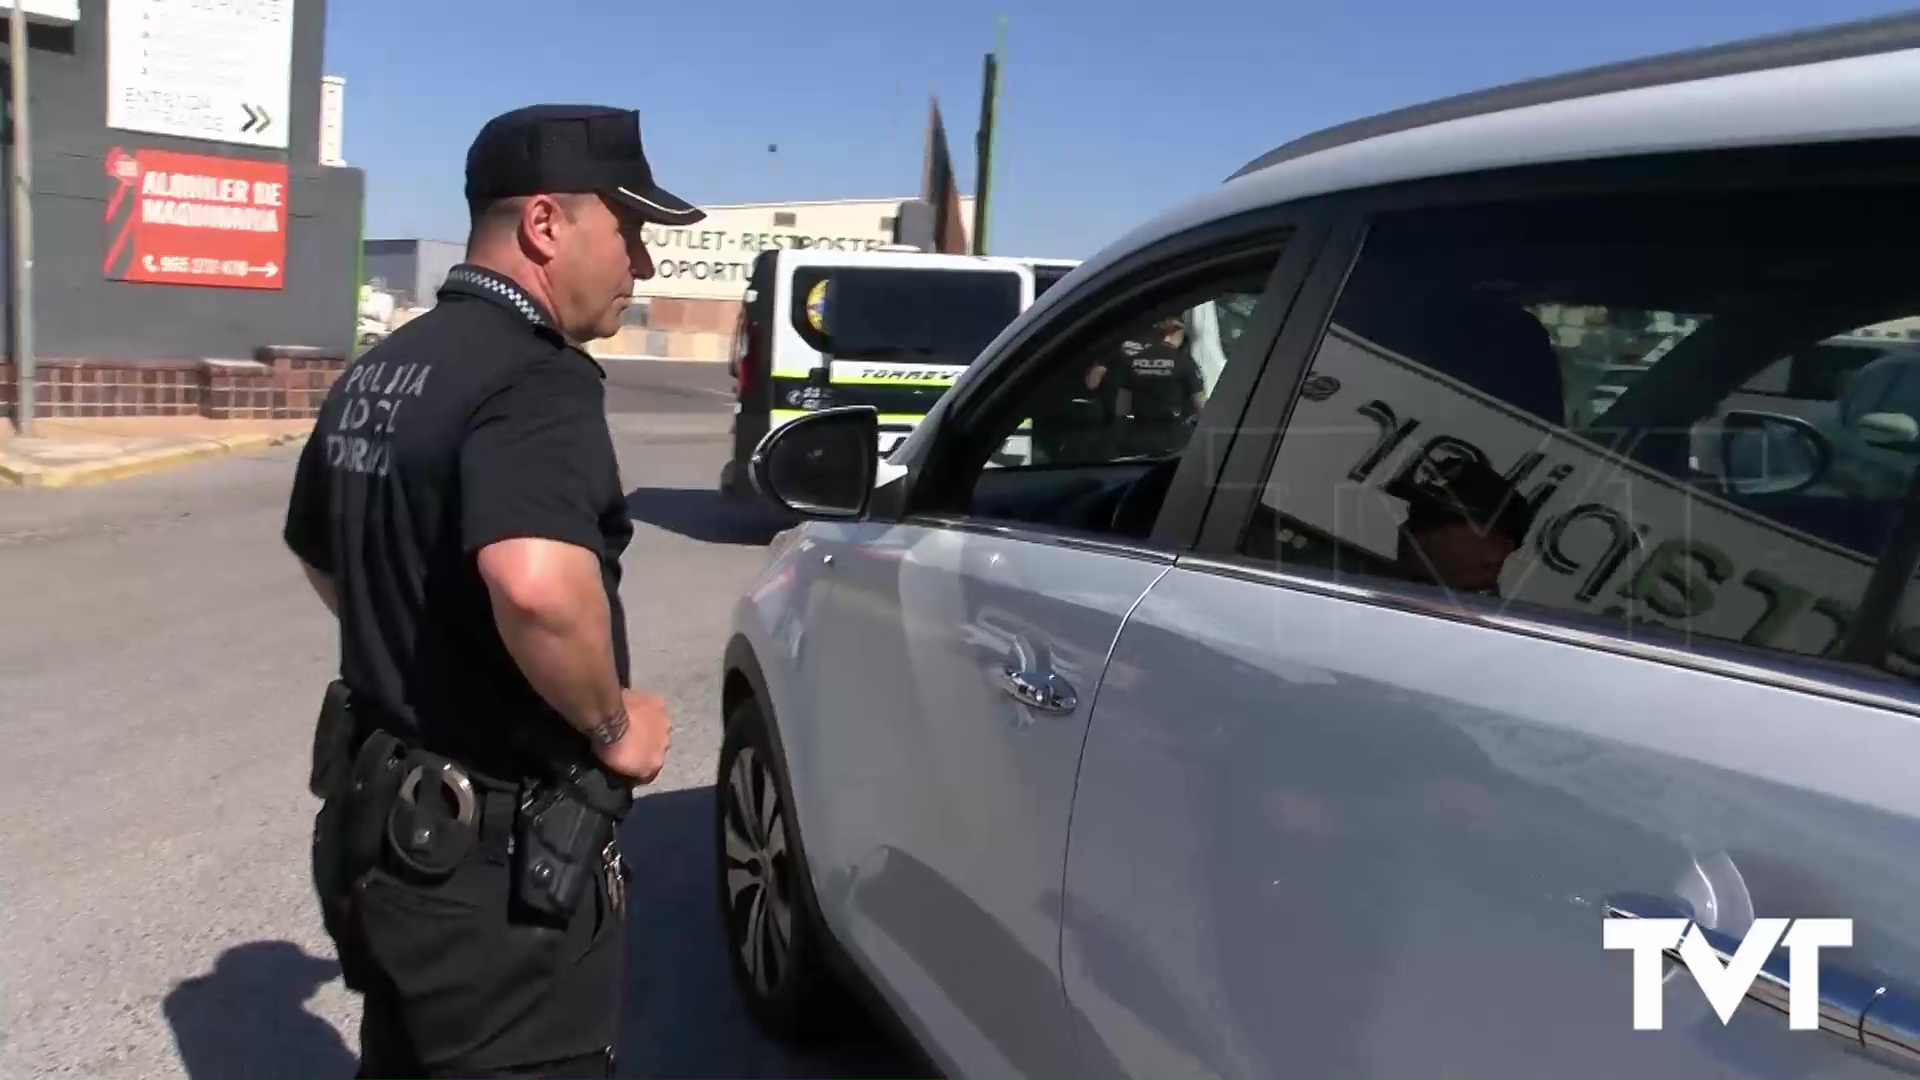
1135 391
1092 430
936 316
1552 406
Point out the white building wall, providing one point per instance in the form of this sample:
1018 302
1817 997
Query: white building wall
711 260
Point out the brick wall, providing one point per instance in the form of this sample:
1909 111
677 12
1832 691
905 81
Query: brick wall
278 384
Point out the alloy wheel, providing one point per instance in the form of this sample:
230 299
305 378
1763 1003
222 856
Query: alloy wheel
758 875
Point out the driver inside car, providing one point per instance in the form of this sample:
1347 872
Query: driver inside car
1461 527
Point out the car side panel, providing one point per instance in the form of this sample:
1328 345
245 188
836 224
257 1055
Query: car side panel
774 616
1318 836
937 804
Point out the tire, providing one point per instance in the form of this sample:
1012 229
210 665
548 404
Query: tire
788 986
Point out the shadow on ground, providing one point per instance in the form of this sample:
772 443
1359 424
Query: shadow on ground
683 1015
248 1017
706 516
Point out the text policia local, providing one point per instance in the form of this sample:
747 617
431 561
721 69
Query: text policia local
210 202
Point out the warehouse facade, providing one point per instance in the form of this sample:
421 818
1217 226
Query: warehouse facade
689 309
194 232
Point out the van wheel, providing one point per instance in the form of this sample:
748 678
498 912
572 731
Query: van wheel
776 948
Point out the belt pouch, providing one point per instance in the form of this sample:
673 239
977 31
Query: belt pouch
425 835
376 781
332 742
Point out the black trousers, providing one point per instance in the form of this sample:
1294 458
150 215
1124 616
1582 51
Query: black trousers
457 983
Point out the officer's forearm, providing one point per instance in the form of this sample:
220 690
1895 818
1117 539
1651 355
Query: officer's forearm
551 609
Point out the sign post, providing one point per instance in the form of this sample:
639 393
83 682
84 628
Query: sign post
23 380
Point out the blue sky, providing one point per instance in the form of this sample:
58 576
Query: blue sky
1110 109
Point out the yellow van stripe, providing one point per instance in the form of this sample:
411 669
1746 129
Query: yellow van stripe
781 416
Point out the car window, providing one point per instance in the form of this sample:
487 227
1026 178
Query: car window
1589 408
1136 392
1092 443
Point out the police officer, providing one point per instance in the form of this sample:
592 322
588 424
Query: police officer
459 508
1164 387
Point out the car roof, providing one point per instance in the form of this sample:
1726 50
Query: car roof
923 260
1850 81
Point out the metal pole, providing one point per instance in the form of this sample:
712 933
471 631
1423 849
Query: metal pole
22 225
983 141
359 275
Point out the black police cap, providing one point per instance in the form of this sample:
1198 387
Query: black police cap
571 149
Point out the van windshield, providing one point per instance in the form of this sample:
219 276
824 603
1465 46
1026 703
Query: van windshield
931 316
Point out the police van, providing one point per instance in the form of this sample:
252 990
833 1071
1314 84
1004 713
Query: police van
890 328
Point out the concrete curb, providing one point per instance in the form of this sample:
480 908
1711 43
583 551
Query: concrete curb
26 474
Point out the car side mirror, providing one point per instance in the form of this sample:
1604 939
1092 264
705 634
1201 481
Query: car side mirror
821 465
1770 454
1893 431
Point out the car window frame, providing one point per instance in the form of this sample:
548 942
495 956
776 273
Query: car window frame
925 496
1243 477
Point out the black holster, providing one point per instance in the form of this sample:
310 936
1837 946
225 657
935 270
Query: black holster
357 778
562 838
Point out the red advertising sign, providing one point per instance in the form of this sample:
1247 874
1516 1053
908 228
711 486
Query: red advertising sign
189 219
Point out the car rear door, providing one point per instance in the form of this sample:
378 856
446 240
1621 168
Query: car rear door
1340 814
954 665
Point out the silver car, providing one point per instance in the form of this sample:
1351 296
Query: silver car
1315 694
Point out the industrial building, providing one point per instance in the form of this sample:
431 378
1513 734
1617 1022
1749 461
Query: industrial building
194 231
410 271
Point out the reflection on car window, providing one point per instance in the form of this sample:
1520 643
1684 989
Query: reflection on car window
1690 418
1138 392
1093 437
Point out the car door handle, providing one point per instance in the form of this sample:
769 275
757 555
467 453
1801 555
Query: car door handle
1042 691
1855 1008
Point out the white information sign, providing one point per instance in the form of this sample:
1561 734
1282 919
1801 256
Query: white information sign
201 69
57 12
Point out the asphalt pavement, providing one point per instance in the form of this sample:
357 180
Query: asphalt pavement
160 663
675 387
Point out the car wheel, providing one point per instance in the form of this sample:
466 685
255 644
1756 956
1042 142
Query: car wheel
775 946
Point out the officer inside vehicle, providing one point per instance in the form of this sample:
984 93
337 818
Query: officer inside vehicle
459 509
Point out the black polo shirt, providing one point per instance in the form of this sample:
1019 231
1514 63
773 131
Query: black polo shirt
475 422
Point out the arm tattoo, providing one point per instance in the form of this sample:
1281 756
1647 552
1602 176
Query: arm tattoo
608 731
